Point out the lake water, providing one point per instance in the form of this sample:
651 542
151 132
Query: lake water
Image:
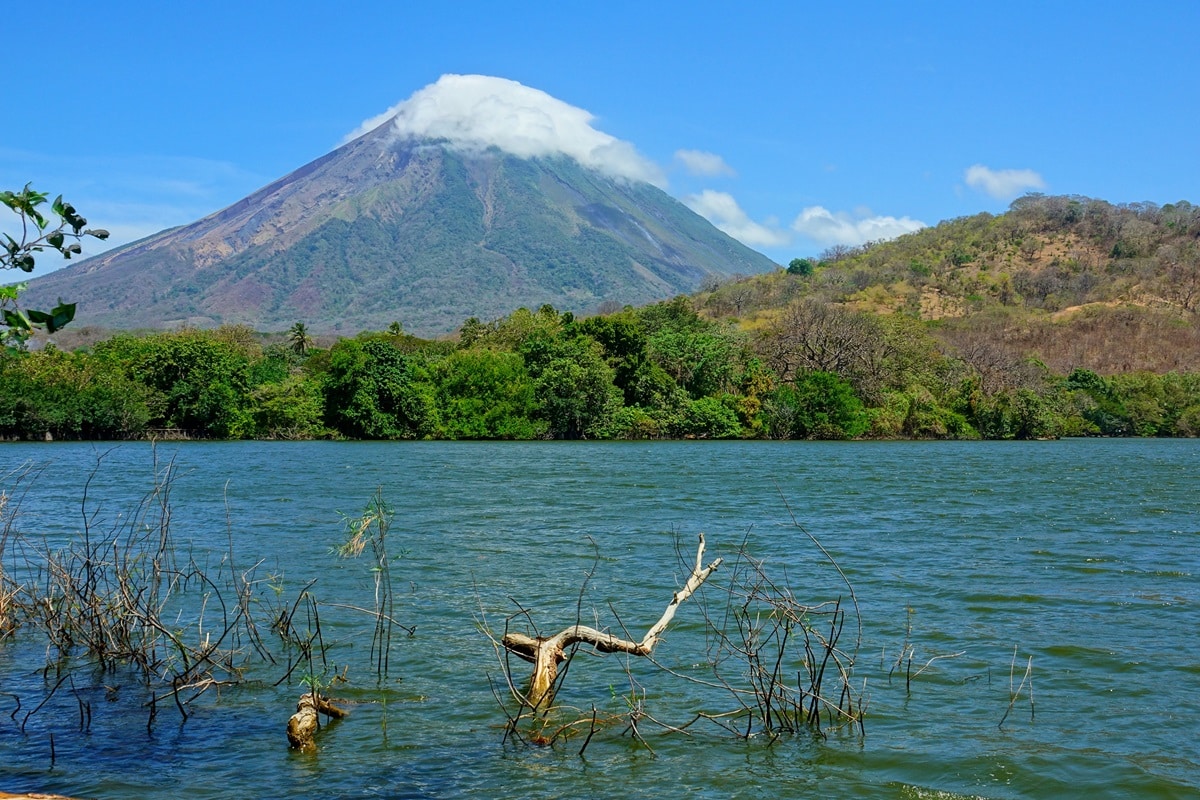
1080 557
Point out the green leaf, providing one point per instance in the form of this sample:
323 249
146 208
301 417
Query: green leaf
63 314
17 320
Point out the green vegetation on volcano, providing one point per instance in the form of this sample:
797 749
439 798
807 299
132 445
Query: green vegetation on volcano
381 230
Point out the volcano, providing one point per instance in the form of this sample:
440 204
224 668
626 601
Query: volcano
416 230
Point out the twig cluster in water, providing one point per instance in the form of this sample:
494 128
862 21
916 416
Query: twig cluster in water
121 599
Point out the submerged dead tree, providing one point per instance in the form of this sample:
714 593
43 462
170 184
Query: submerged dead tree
776 658
546 653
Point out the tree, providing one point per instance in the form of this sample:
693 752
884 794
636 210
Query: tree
200 380
812 336
700 356
711 418
575 392
819 405
375 391
292 409
624 347
1019 413
37 234
800 266
1095 401
1180 269
835 253
298 336
59 395
486 394
471 331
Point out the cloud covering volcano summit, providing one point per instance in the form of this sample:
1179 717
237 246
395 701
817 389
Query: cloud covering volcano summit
475 112
472 198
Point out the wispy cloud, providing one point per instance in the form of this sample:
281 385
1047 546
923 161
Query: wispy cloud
826 227
699 162
125 223
814 225
129 196
479 111
1002 184
129 221
722 210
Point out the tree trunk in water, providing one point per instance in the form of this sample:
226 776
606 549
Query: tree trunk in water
547 652
304 724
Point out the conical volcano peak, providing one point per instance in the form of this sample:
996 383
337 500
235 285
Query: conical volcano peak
472 198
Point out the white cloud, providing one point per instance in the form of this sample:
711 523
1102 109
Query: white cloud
816 224
827 228
699 162
1002 184
475 112
722 210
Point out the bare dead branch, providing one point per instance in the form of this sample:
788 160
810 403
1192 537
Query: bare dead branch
546 653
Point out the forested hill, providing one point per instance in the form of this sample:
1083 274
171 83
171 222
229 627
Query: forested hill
1062 317
1070 281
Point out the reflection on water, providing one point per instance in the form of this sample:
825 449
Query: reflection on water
1079 555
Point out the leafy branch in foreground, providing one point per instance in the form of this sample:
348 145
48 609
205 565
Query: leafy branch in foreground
37 233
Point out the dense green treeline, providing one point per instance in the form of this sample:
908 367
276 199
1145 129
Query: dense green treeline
661 371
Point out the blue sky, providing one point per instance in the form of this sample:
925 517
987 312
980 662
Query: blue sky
794 126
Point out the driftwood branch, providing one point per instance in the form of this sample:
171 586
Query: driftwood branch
303 726
547 652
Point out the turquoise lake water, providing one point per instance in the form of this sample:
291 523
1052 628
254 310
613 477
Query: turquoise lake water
1078 557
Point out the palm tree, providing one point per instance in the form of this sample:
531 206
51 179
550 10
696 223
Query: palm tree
300 339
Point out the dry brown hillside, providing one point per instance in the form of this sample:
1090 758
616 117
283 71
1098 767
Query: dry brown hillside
1071 281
